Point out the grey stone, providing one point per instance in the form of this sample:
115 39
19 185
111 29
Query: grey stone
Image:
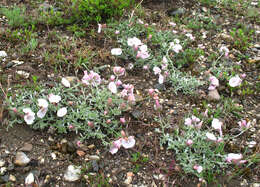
94 157
72 173
27 147
21 159
176 12
213 95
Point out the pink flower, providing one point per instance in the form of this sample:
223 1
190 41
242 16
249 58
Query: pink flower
115 146
189 142
65 82
157 105
243 124
42 112
131 99
112 77
117 32
123 93
205 114
116 51
71 126
118 83
188 122
216 124
54 98
119 71
243 75
225 50
29 116
112 87
151 91
128 142
235 81
62 112
235 158
198 168
90 124
91 78
142 55
122 120
78 143
156 70
214 82
145 67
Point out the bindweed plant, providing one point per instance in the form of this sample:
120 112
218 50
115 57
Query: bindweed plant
89 108
164 52
198 151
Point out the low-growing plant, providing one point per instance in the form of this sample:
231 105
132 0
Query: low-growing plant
195 153
87 110
241 38
85 11
15 15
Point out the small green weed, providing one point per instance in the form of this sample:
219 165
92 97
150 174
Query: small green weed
241 38
138 160
16 16
86 11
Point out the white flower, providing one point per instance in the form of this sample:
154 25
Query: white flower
224 49
235 81
198 168
211 136
176 41
216 124
62 112
42 112
188 122
214 82
54 98
233 157
65 82
134 42
116 51
128 142
175 47
29 116
143 48
99 28
43 103
116 146
190 36
172 24
112 87
156 70
3 54
161 79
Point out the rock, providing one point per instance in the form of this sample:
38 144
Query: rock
3 170
4 179
24 74
53 155
255 185
255 60
72 79
160 87
137 114
94 157
12 178
129 178
2 163
72 174
176 12
29 179
21 159
3 54
213 95
27 147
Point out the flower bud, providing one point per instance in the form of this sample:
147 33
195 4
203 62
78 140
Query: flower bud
122 120
90 124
